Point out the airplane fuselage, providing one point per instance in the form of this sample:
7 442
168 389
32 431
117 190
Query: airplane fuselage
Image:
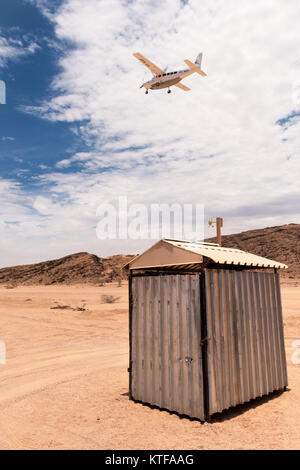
166 80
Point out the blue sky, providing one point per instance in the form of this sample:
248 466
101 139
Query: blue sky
77 131
32 141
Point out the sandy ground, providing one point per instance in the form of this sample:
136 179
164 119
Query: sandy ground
65 383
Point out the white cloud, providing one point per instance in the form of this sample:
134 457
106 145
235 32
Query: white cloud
218 144
35 227
7 138
12 49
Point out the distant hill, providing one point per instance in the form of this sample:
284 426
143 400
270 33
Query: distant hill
281 243
78 268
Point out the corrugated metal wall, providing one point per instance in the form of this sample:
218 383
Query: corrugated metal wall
245 344
246 356
166 367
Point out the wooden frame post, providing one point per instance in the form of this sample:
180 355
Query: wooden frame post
219 223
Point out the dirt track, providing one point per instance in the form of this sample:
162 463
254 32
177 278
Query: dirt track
65 383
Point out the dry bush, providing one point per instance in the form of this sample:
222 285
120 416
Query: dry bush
61 307
109 299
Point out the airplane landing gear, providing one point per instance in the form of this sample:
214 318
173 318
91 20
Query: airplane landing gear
146 92
169 91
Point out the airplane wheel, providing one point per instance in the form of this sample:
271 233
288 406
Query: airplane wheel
169 91
146 92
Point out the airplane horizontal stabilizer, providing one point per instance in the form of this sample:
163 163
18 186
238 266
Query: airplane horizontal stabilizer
195 68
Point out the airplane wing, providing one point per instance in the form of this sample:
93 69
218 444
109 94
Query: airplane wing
154 69
183 87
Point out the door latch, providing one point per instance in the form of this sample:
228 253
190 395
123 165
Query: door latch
188 360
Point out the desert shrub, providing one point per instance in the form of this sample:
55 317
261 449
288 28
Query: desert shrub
61 307
109 299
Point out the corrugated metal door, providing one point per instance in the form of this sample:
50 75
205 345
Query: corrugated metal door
166 360
245 347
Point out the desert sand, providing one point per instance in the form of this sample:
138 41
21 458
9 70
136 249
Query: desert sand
65 383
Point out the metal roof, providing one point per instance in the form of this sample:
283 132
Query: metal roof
223 255
169 253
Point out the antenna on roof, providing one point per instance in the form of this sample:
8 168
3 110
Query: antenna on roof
219 225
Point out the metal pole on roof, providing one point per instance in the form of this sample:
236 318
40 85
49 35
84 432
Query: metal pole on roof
219 225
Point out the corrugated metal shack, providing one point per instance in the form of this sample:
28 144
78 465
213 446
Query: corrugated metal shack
206 329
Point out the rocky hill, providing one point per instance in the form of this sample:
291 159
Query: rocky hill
279 243
77 268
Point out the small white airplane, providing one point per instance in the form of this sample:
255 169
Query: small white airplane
162 79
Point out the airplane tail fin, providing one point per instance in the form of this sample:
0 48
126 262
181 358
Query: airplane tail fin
199 59
196 67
